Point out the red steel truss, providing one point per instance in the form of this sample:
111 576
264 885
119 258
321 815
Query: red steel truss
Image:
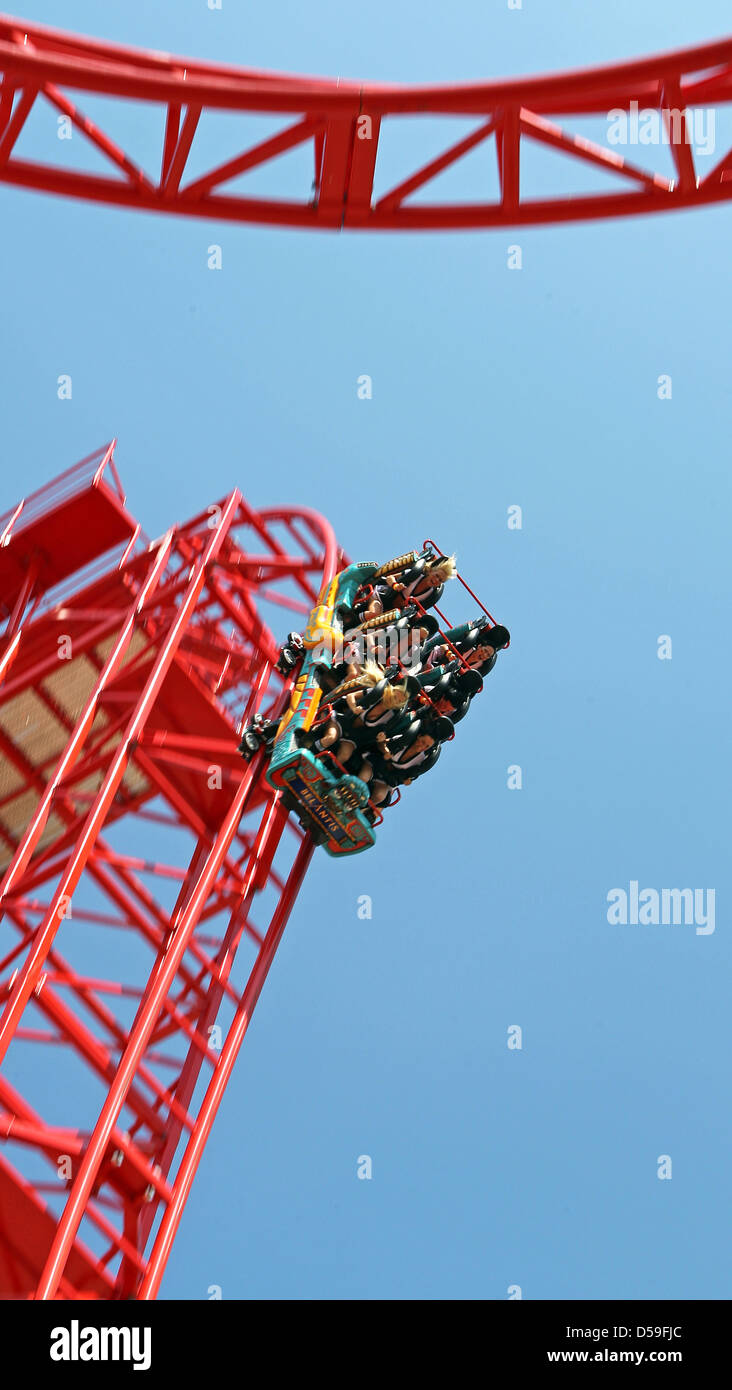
131 827
343 124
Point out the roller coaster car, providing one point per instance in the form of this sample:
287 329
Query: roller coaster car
330 804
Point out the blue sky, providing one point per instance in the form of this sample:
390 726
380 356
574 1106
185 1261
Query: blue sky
491 1167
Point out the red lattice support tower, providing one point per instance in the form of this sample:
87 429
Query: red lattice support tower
343 123
146 871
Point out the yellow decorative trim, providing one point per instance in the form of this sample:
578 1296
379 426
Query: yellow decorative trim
401 562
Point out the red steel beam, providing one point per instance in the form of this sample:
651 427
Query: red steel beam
111 666
31 969
191 975
267 841
138 1040
217 1085
345 120
97 1054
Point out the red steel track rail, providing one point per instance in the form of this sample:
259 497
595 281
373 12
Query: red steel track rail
130 824
343 124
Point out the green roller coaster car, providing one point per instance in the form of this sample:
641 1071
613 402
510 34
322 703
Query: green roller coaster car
330 803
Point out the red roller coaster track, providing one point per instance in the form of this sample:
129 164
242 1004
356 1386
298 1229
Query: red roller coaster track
125 664
343 122
124 668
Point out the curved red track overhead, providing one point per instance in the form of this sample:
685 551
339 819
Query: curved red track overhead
343 123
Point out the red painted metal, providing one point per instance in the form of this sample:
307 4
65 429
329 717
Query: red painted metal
345 123
468 590
132 663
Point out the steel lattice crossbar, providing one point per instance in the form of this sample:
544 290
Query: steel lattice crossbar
127 816
343 123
